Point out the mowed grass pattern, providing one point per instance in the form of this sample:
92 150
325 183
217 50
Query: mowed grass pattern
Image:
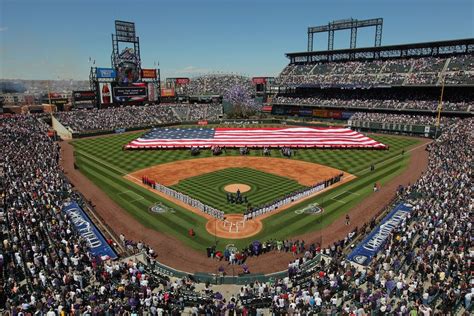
209 187
109 149
104 162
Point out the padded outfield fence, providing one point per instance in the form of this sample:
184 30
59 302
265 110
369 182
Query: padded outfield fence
404 129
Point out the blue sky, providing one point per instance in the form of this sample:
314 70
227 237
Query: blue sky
51 39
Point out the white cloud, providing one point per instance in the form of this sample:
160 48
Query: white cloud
3 28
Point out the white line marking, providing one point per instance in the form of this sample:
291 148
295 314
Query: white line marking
334 197
352 193
130 201
133 201
339 201
124 192
366 170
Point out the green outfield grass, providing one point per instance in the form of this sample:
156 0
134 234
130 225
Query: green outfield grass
209 187
109 150
104 162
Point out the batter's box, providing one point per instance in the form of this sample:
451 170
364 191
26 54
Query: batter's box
234 225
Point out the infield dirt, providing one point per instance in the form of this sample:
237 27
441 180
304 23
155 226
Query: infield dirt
306 173
175 253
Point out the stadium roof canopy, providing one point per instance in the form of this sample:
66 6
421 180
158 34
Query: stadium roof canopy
439 48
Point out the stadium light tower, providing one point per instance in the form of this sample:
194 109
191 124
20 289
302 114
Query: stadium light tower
352 24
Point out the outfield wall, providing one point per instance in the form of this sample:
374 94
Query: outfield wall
409 129
374 127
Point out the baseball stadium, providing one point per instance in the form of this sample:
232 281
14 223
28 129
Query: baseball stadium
341 185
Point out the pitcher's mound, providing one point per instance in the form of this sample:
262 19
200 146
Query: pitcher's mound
232 188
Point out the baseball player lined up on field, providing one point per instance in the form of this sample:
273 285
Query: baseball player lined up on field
289 199
190 201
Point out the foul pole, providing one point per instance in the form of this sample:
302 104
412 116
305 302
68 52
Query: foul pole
440 107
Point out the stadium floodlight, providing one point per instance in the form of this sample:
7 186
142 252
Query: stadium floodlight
352 24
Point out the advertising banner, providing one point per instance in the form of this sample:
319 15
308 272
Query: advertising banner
320 113
106 73
86 95
105 90
305 112
259 80
372 243
182 80
267 108
346 115
335 114
149 73
55 95
152 92
98 246
59 101
167 92
293 111
130 94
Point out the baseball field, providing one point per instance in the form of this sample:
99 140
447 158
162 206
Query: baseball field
103 161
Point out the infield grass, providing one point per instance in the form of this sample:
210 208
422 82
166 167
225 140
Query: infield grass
104 162
209 187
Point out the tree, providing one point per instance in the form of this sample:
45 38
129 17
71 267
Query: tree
242 103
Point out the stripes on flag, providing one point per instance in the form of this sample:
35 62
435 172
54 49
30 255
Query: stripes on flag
299 137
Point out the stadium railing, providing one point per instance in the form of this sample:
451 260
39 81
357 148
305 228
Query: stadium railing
219 278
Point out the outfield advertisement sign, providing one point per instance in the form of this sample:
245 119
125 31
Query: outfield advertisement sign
136 93
182 81
106 73
149 73
85 95
98 246
372 243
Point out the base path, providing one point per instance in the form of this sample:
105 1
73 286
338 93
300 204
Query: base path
306 173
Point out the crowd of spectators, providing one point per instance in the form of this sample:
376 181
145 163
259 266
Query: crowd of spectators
197 111
424 267
370 100
136 116
117 117
402 118
45 266
409 71
256 248
460 70
216 84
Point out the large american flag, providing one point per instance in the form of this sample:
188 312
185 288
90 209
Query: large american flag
301 137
